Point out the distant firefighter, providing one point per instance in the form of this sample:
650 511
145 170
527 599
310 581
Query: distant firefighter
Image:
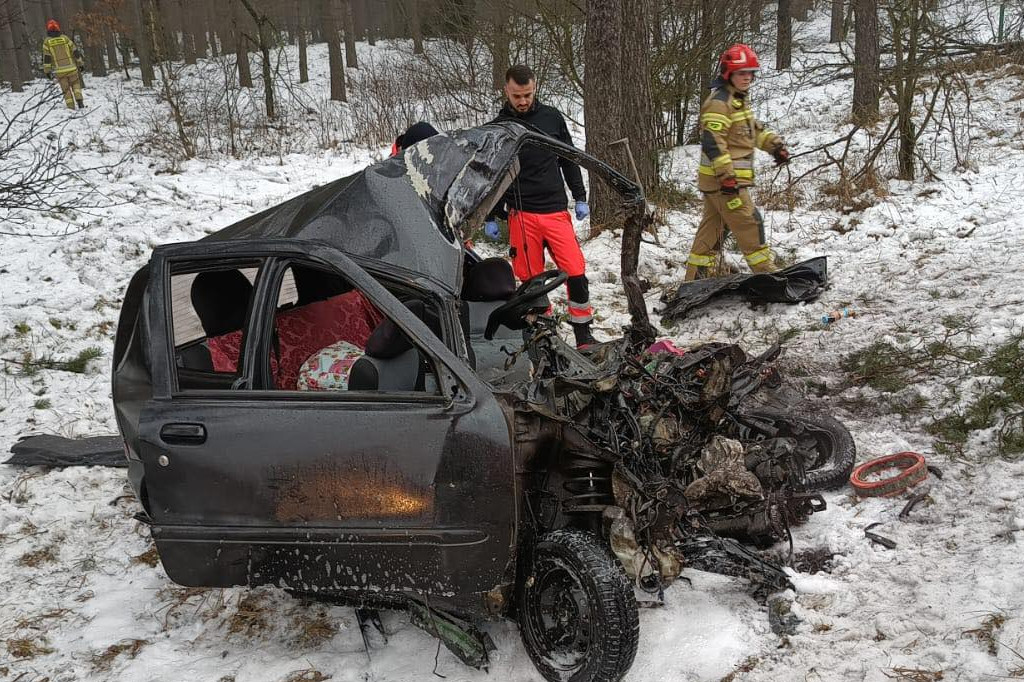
62 57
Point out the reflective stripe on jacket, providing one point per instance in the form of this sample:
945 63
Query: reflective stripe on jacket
729 135
60 55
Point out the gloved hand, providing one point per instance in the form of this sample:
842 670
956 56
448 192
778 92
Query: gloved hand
491 230
582 210
728 186
781 155
49 76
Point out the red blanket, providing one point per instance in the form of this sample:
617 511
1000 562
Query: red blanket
302 332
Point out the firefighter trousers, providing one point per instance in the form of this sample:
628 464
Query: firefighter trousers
735 212
529 234
71 86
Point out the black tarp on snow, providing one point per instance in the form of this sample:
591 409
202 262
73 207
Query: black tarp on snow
57 451
798 283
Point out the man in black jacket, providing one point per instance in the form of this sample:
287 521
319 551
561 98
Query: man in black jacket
537 205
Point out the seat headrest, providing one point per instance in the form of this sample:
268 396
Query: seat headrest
221 299
388 340
312 285
489 280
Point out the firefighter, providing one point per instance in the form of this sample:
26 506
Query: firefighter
537 206
729 135
63 58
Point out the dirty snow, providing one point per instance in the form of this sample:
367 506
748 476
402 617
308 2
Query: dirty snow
81 599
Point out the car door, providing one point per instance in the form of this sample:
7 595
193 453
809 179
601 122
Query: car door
332 492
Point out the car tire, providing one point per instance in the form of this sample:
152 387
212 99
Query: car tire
577 613
836 451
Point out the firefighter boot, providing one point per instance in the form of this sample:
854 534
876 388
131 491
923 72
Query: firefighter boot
583 336
80 103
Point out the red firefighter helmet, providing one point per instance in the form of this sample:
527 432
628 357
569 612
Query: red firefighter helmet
52 25
739 57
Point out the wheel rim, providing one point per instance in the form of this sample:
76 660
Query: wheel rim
560 616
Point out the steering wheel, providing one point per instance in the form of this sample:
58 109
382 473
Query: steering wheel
524 301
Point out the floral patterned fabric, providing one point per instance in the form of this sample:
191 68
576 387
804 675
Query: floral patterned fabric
328 369
301 332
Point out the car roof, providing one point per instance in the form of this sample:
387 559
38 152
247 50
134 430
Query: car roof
413 210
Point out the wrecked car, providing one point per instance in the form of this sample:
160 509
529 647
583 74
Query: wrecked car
338 397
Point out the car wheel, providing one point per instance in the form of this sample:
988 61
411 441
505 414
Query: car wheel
834 451
577 613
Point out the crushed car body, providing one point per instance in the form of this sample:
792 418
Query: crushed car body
337 397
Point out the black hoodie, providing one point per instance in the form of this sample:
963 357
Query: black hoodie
539 187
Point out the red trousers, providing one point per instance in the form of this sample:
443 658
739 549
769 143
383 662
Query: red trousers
530 233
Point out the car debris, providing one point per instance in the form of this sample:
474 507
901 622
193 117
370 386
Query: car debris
797 283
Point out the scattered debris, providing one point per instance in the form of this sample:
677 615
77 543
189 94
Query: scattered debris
836 315
913 502
781 618
907 469
307 675
27 647
913 674
57 451
875 537
798 283
466 641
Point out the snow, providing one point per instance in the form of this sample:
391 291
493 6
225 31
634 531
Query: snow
72 573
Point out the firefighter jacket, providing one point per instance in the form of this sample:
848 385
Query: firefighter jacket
729 134
60 55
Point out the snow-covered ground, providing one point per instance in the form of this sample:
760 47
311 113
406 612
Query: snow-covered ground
82 597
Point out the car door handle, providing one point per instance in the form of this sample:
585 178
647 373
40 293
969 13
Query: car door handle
183 434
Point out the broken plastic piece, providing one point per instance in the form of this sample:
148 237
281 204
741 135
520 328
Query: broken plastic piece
837 315
463 639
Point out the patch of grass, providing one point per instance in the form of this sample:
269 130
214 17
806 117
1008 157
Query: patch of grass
314 629
22 328
746 665
307 675
914 674
149 558
42 404
131 647
670 196
27 648
987 631
31 365
250 617
45 555
1000 405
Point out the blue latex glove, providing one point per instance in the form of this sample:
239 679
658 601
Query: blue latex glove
582 210
491 230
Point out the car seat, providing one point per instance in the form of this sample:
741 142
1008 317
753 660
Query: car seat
391 361
220 299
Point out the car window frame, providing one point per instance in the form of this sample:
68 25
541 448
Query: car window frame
453 381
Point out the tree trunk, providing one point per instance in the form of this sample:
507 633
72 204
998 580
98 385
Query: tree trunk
188 39
337 67
499 49
415 25
214 29
756 11
836 32
8 60
865 61
241 31
111 43
639 126
784 42
602 101
351 60
800 9
300 12
143 39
